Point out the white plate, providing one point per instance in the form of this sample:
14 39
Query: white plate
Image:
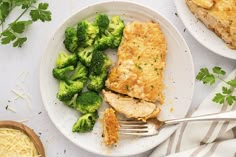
201 33
179 80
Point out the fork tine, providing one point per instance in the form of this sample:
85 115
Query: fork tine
137 128
136 133
134 129
131 122
134 126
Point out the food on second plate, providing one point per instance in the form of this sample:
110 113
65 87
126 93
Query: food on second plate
86 65
219 16
110 127
15 143
131 108
138 72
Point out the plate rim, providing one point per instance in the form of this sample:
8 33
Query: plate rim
204 44
74 14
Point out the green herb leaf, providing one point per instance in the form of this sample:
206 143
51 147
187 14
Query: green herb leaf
230 99
19 27
209 79
226 90
5 9
203 72
43 6
7 37
13 31
127 87
232 83
226 96
41 13
24 3
219 98
218 70
19 42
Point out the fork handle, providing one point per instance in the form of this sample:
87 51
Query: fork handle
228 116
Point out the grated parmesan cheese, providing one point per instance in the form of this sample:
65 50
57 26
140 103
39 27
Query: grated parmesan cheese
23 120
23 96
11 109
14 143
17 93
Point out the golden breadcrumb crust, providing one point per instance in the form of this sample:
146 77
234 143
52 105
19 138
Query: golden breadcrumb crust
110 127
139 70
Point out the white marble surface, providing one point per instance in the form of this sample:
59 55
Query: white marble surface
20 70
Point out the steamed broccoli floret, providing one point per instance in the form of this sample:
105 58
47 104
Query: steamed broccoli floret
72 103
68 89
111 35
61 74
85 55
64 60
100 62
104 42
86 33
97 82
71 39
116 28
88 102
85 123
81 72
102 22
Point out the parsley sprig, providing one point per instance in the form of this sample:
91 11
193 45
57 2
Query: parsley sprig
209 78
14 33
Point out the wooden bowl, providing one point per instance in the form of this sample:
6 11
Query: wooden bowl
29 132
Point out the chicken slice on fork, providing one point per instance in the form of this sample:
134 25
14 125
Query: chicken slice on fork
130 107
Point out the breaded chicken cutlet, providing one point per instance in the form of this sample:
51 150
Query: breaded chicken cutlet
138 72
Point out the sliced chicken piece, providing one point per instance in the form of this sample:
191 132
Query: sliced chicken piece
130 107
110 127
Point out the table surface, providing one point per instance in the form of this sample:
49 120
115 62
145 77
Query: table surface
19 69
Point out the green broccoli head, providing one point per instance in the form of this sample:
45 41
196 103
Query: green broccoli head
85 55
86 33
65 59
71 39
100 62
104 42
71 103
80 73
116 42
85 123
88 102
67 89
61 74
97 82
102 22
116 28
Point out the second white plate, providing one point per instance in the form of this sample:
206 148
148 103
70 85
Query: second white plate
201 33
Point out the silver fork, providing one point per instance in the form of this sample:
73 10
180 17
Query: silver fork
153 126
